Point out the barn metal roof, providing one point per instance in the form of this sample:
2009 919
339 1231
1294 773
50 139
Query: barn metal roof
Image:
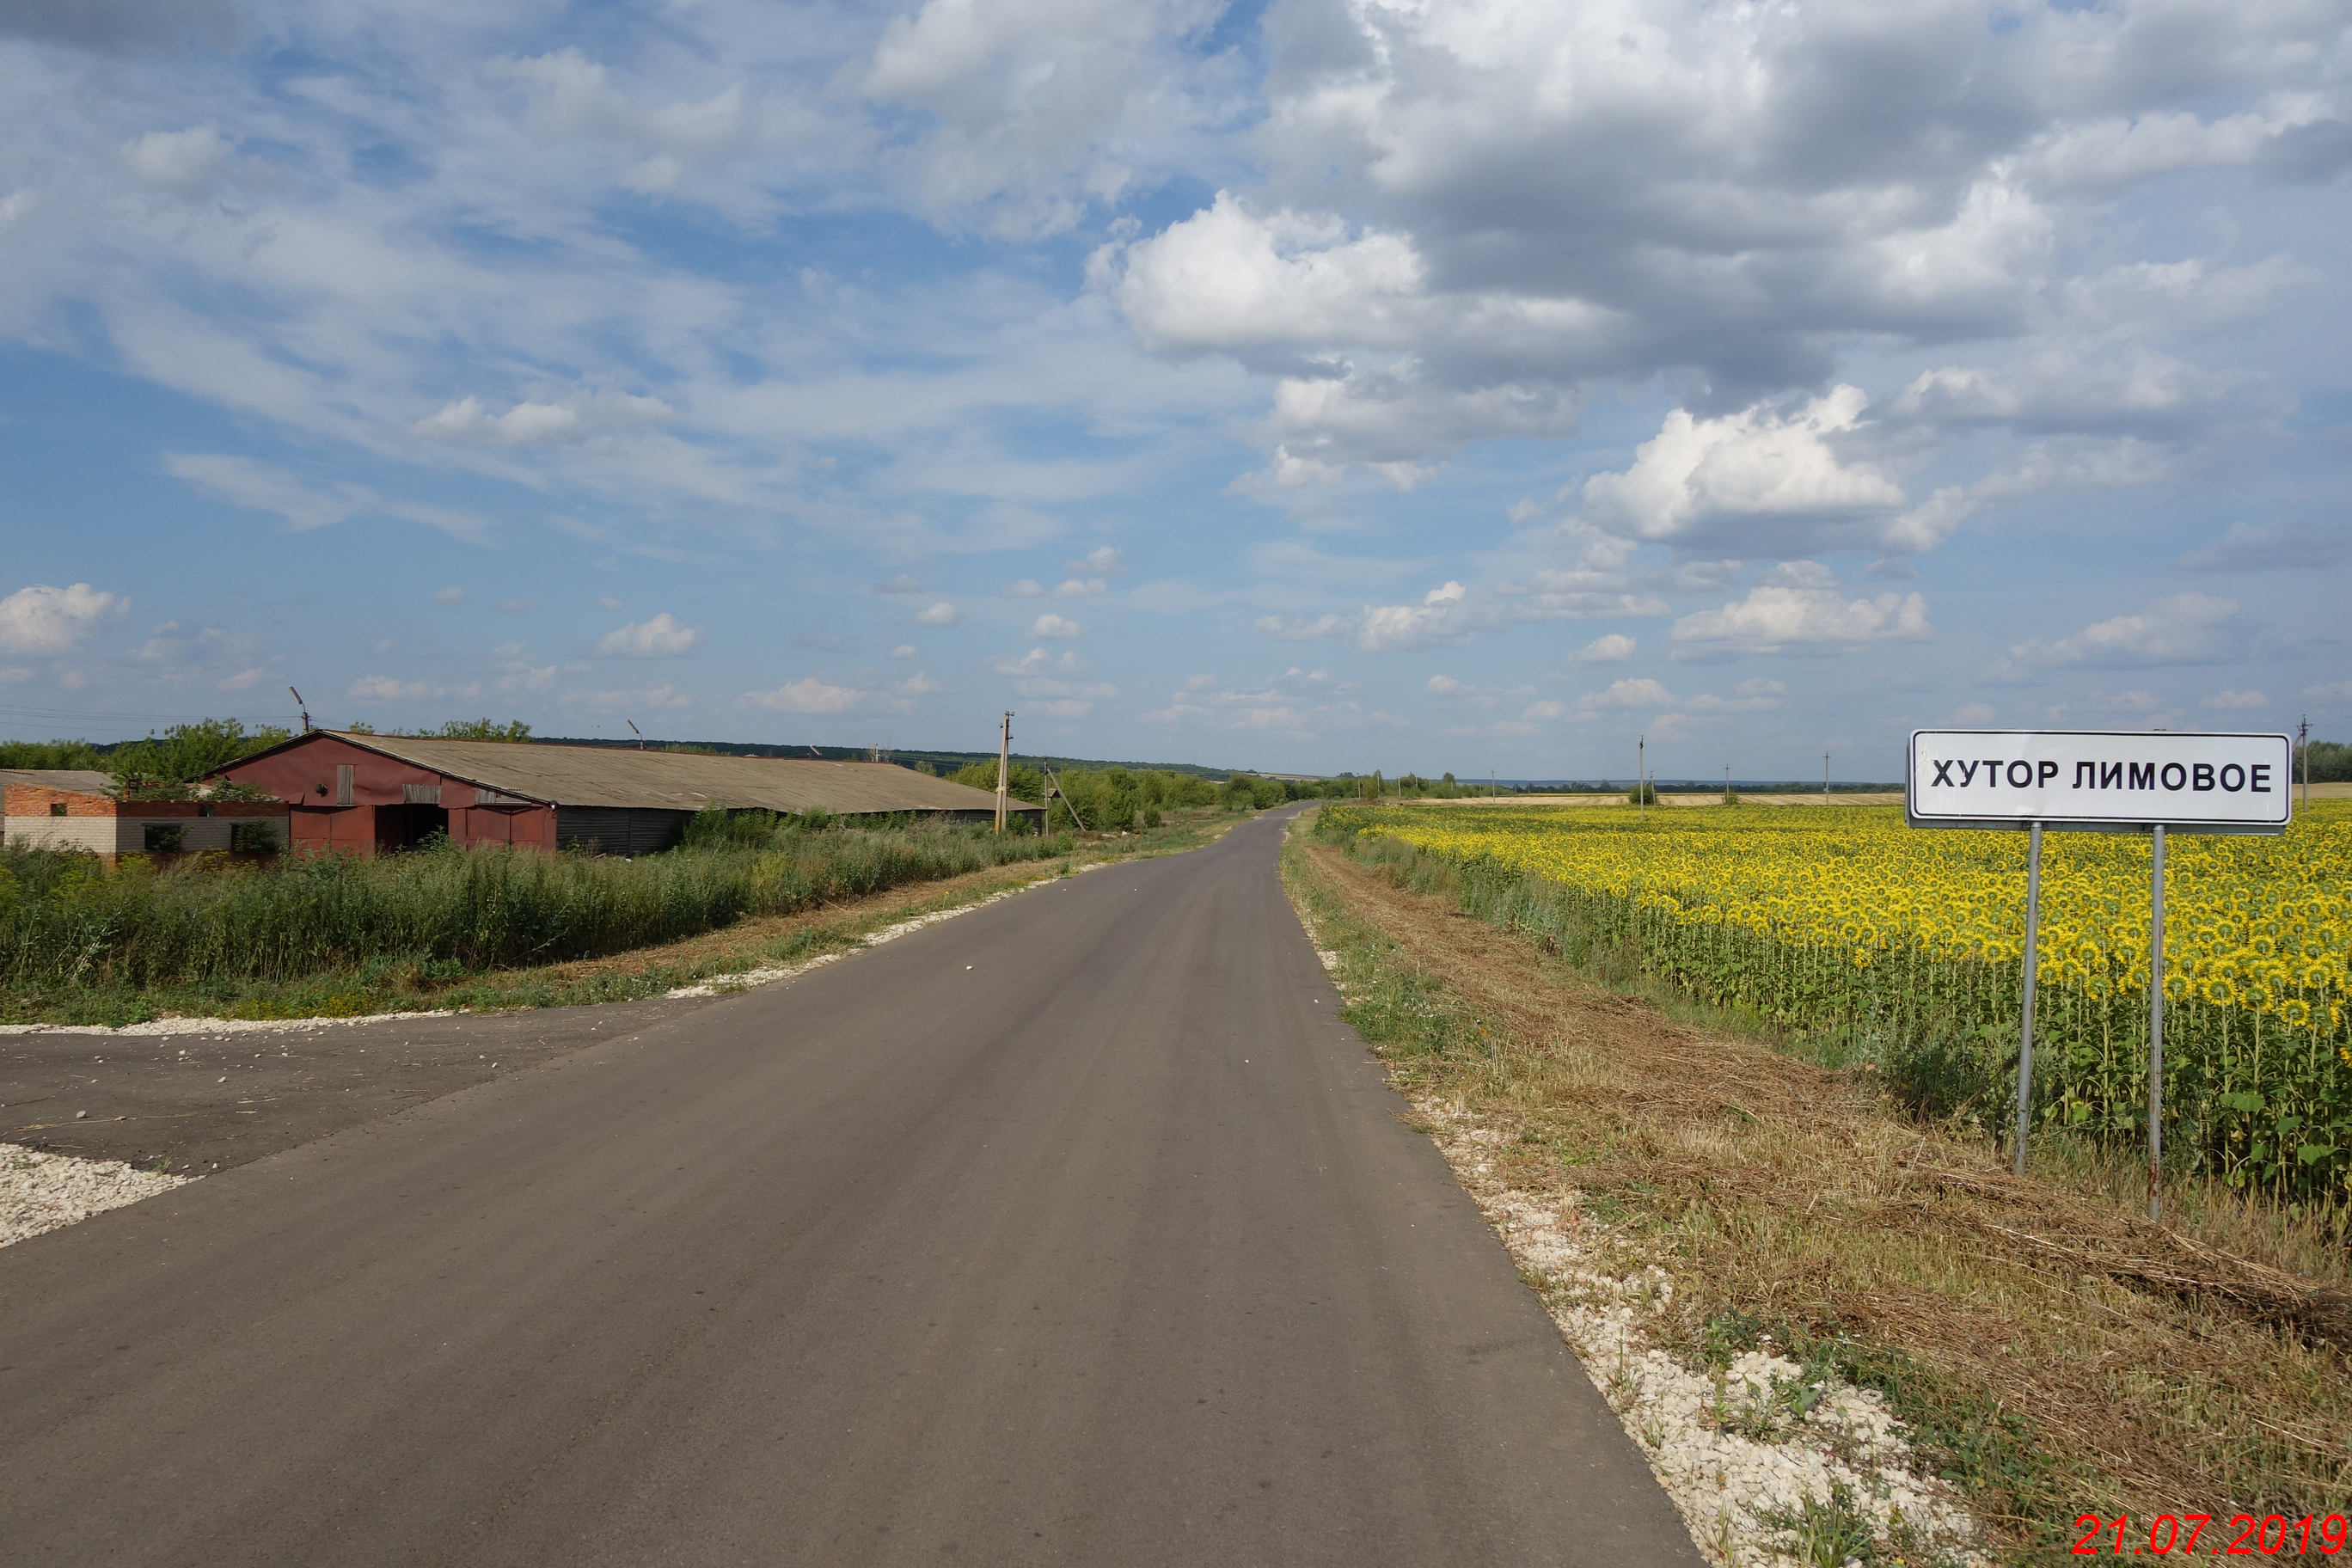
678 781
73 780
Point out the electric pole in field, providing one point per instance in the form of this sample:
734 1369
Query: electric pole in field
1641 779
2302 744
1004 767
1825 778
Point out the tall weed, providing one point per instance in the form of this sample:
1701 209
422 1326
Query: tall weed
67 923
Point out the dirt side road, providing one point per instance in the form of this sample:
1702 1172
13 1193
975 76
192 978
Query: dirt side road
199 1103
1074 1230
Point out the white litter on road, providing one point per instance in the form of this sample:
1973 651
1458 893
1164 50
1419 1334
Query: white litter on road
46 1191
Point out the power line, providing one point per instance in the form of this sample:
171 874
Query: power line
18 716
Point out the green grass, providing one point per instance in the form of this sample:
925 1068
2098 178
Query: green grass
336 936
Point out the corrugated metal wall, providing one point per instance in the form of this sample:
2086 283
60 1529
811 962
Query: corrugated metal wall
619 830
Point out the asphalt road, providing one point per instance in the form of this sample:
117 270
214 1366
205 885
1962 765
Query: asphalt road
1073 1230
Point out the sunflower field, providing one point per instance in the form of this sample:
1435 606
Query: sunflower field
1907 945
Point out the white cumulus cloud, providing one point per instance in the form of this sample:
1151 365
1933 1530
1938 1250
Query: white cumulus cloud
384 688
1801 603
1615 648
807 695
660 637
1759 470
2179 628
43 619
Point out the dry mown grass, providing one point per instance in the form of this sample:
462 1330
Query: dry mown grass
2056 1353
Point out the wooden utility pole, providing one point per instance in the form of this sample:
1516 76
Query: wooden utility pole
1825 778
2302 744
1004 767
1641 777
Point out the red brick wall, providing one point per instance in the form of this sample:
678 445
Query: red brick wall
32 800
108 827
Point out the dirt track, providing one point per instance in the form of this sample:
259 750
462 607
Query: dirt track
197 1103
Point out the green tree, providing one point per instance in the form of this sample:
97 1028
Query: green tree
2331 761
478 730
50 754
186 753
1024 781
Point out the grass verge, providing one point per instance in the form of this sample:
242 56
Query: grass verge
2049 1352
408 981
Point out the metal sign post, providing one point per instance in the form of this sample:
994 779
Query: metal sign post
2099 781
2033 979
2156 1026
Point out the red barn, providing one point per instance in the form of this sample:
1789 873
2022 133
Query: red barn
373 794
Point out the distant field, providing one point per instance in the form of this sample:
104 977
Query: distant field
2319 791
1618 798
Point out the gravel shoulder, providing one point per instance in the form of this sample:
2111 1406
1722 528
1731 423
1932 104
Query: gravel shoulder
42 1192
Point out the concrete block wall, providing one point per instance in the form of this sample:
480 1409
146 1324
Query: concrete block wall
128 835
96 834
102 825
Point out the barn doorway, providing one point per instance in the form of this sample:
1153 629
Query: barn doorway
399 827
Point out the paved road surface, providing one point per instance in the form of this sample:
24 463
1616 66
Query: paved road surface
1074 1230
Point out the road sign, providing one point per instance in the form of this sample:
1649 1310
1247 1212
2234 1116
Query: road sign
2114 780
2111 780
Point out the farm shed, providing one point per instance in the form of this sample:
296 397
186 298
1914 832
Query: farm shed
371 794
59 808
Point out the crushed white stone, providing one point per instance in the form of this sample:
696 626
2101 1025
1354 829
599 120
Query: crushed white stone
1727 1449
726 984
44 1192
222 1025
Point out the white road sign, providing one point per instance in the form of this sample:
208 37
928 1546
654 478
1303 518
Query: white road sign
2097 778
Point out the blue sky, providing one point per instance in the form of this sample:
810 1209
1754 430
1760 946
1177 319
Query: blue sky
1312 385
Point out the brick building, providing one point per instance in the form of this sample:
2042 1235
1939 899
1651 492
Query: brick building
52 808
372 793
